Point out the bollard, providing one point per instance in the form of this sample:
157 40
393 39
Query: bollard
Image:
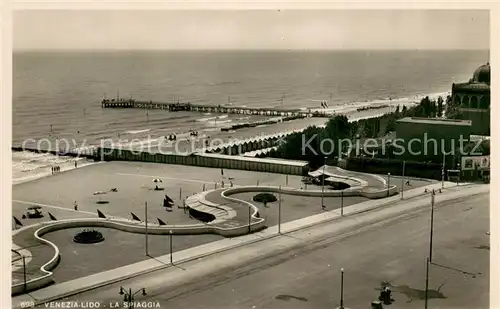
203 187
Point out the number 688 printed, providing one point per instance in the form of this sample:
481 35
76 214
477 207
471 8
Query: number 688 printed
27 304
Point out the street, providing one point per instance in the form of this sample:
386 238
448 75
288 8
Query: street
308 276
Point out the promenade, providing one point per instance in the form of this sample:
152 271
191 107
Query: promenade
359 214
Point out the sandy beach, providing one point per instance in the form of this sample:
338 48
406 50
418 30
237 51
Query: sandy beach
134 183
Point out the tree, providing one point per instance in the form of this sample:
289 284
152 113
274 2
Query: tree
391 125
306 145
338 127
440 107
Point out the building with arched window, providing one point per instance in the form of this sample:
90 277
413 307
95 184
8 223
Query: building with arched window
473 99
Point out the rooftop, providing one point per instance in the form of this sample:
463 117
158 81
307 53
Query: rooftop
436 121
252 159
471 86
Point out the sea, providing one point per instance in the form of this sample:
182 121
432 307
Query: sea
57 94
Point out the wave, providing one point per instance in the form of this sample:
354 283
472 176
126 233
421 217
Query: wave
28 166
219 122
208 119
137 131
205 119
29 174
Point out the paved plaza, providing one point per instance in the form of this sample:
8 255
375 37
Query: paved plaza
57 195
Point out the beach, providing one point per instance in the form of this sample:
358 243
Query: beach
28 166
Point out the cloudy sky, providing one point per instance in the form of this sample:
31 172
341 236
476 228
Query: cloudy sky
244 29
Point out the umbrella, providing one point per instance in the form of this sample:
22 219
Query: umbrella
99 192
34 207
156 180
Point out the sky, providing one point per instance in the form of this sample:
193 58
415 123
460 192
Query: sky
247 29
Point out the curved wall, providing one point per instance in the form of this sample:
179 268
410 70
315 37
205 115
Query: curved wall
257 224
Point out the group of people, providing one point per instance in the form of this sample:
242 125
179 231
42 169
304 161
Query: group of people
386 295
55 169
171 137
230 183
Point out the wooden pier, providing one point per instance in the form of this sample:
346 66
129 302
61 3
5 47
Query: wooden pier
223 109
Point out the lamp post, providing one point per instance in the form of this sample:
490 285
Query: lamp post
323 185
24 273
403 180
128 296
442 171
171 246
432 226
426 282
279 211
341 288
342 203
388 183
249 219
458 176
146 223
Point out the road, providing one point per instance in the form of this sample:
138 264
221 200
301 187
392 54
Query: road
308 276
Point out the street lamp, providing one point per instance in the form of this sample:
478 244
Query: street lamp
171 233
403 180
279 211
432 226
342 202
249 219
146 223
426 282
388 183
341 288
323 185
442 171
128 296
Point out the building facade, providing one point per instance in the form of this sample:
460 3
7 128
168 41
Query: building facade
426 139
473 100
